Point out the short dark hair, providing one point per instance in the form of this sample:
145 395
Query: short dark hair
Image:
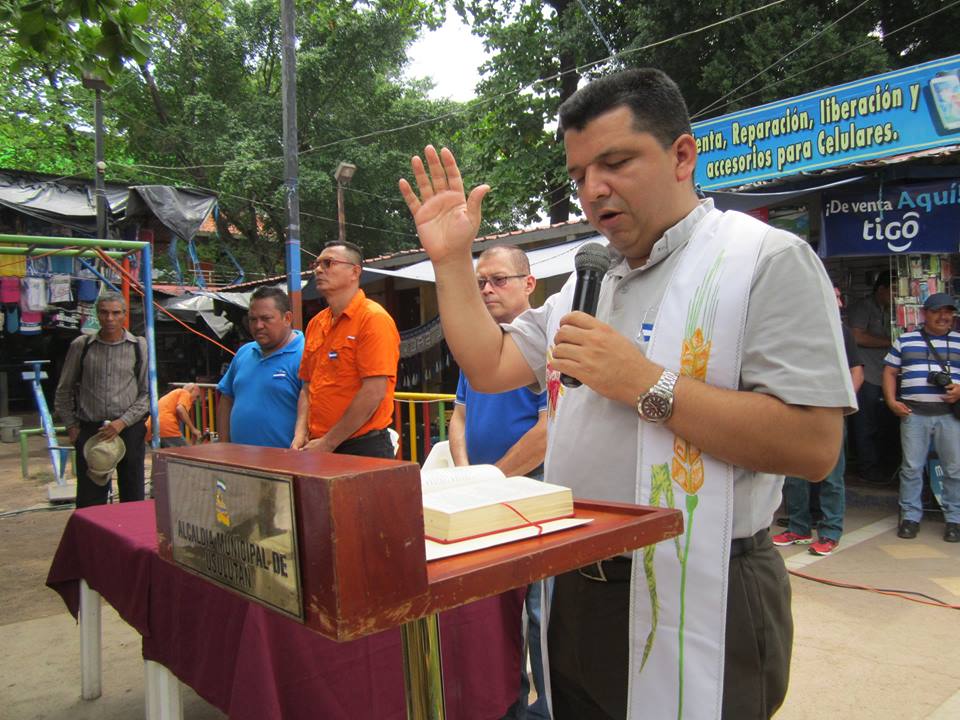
355 250
654 99
882 281
280 298
518 257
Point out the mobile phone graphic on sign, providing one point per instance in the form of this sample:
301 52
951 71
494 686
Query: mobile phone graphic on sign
945 92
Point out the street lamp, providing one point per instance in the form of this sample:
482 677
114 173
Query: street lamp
343 175
92 82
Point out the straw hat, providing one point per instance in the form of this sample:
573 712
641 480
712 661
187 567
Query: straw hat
102 457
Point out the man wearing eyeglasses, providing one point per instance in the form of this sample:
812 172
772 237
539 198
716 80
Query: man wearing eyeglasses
349 366
507 429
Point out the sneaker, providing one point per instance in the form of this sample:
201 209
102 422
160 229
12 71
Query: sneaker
791 538
824 546
908 529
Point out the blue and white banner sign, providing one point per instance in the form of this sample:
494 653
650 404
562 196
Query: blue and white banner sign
900 218
902 111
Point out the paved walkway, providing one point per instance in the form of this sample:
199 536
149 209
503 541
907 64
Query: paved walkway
857 655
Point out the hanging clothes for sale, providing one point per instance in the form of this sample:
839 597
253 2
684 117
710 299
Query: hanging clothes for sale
61 264
89 323
30 322
33 294
58 290
9 289
87 290
11 319
15 265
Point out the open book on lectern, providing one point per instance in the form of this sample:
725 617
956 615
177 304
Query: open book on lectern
477 500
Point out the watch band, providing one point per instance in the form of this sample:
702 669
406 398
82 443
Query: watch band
656 405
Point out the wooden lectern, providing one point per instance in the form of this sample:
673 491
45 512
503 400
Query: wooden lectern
357 531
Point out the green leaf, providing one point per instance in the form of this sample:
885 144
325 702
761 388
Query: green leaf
650 572
107 46
138 14
38 42
140 44
32 23
660 480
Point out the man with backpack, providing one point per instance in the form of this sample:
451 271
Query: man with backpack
103 394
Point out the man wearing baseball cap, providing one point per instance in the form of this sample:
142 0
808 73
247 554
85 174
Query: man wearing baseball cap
927 362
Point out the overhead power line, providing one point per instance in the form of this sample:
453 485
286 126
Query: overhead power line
472 106
151 169
781 59
832 58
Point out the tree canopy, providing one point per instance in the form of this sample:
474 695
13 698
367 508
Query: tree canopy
205 110
724 54
195 94
90 36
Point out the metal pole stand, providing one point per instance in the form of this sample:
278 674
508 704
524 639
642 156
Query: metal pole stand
58 453
423 669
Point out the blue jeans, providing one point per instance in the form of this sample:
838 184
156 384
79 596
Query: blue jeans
916 432
520 710
833 502
539 710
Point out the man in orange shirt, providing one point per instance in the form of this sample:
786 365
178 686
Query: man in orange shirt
174 408
349 366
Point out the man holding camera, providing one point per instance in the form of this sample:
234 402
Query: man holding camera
927 362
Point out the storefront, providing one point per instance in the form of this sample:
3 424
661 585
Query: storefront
868 172
909 229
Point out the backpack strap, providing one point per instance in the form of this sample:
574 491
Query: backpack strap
83 357
137 357
137 360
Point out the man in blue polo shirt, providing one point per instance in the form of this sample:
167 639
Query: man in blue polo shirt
927 362
507 429
259 392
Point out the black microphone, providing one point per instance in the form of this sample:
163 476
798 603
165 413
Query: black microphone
592 262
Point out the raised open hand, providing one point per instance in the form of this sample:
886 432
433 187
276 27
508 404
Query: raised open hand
447 221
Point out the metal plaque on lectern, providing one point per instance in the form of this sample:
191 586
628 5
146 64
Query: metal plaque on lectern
236 527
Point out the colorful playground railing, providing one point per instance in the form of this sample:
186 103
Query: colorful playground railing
204 410
416 428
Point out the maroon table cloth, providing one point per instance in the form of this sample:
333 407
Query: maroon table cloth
256 664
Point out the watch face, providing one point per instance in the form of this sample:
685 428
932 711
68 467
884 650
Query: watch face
654 406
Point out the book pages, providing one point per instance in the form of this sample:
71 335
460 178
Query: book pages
436 551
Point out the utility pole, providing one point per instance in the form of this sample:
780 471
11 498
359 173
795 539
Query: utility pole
290 160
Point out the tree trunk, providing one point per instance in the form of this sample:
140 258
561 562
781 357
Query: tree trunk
558 199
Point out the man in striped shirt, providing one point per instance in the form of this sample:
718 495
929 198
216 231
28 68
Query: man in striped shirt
927 362
103 392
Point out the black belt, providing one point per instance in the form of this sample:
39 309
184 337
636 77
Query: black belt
373 434
619 569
